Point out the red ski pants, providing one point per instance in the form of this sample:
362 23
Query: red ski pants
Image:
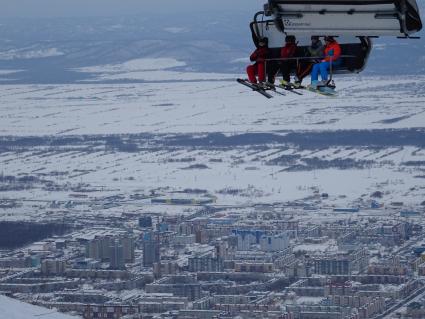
254 70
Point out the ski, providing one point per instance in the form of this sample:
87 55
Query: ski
290 88
326 91
255 87
277 92
273 88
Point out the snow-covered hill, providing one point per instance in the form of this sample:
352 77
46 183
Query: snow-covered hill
214 135
13 309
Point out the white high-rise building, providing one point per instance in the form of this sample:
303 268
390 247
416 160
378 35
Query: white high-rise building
276 242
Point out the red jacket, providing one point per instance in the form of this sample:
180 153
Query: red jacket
332 52
288 51
259 55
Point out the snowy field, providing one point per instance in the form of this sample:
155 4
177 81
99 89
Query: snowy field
169 133
208 106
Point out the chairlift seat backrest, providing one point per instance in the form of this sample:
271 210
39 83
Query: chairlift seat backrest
346 17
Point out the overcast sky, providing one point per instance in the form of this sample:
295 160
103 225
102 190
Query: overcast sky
84 8
71 8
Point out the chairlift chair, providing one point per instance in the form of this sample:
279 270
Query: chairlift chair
353 22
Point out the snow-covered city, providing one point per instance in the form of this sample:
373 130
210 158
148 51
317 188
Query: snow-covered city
152 185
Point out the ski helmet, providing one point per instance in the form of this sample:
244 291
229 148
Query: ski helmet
290 39
263 42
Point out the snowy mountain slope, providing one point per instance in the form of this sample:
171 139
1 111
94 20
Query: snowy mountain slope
29 53
13 309
149 69
208 43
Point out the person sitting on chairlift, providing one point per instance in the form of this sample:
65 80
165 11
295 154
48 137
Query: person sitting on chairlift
259 56
287 64
283 64
304 67
331 60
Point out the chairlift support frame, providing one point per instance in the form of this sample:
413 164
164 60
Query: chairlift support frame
346 17
339 18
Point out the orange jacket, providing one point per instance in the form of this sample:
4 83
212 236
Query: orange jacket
332 52
259 55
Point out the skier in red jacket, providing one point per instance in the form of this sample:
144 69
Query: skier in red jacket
332 57
287 52
283 64
259 67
